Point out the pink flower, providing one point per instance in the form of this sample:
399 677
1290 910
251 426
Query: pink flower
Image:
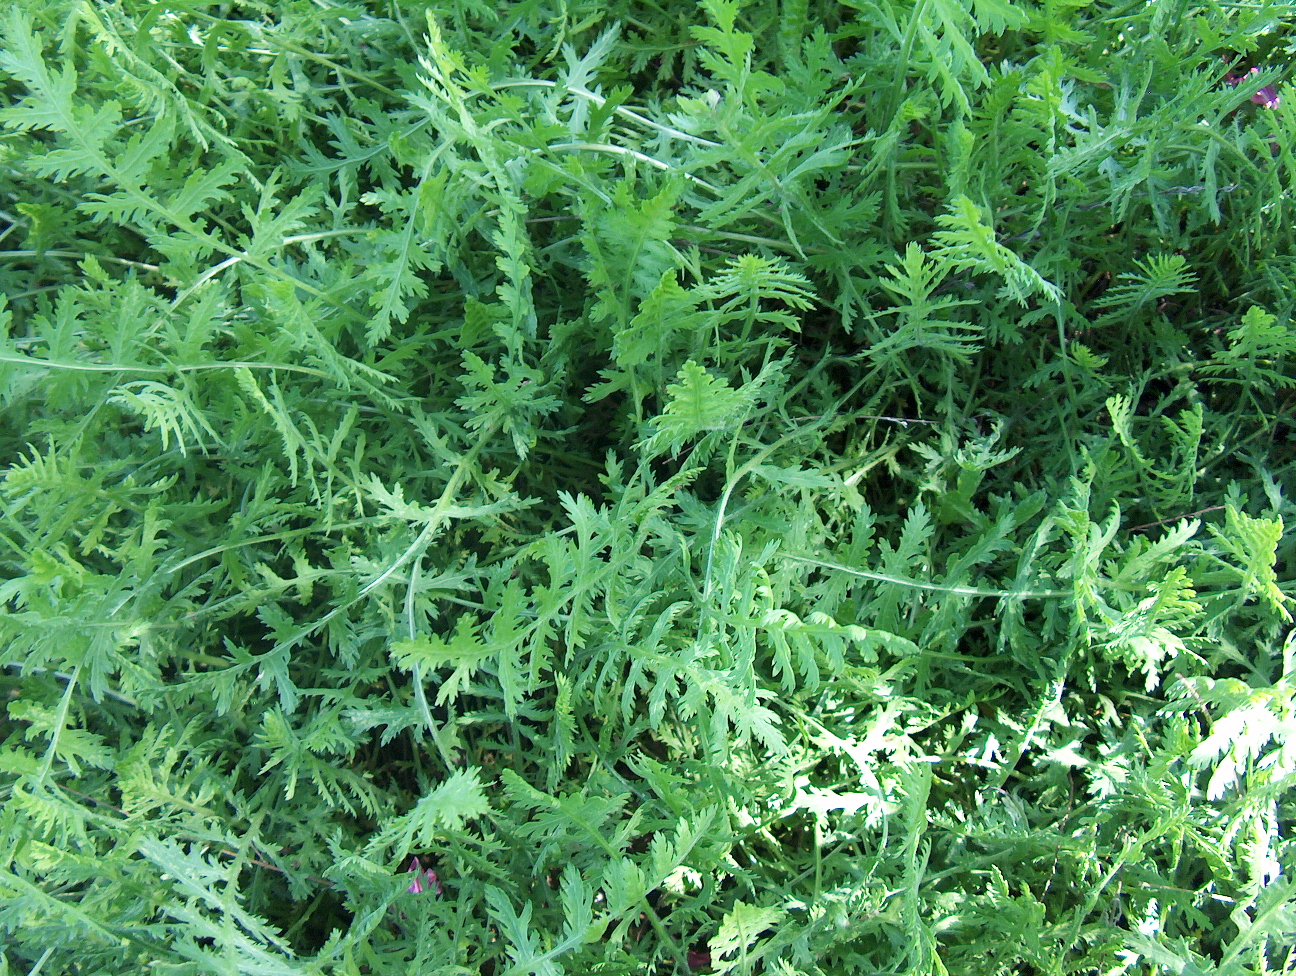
423 878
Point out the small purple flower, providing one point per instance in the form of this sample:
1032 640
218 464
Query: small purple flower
423 878
1266 96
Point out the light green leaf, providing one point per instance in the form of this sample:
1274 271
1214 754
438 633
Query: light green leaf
742 926
698 402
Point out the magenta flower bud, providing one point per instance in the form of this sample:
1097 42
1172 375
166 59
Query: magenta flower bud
699 959
422 878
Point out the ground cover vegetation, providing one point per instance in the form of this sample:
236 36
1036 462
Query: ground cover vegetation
578 487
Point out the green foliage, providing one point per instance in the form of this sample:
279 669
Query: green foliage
796 488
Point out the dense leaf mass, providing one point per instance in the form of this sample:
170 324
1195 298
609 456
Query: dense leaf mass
609 487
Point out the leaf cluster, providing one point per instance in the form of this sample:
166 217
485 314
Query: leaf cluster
791 489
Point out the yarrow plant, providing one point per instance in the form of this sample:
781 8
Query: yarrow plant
796 489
